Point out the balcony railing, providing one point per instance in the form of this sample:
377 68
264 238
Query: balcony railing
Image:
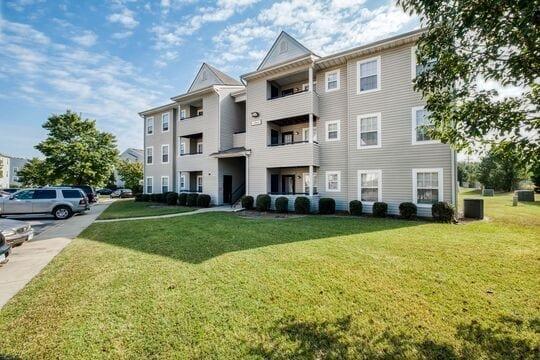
191 153
291 143
191 117
285 95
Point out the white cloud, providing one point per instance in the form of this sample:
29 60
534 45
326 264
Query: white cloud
87 38
125 17
122 35
101 86
20 5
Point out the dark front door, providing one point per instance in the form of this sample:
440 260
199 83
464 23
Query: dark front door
274 137
287 184
227 189
274 183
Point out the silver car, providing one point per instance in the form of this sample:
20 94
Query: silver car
16 232
61 202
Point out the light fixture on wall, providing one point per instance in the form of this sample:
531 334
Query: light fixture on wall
255 114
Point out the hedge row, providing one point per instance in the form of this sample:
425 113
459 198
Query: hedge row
173 198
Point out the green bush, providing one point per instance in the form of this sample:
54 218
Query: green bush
171 198
443 212
145 197
327 206
154 197
182 199
192 199
380 209
302 205
282 204
203 200
408 210
138 198
263 202
247 202
355 207
164 197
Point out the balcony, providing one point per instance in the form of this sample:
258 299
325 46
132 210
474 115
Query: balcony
300 153
296 104
239 139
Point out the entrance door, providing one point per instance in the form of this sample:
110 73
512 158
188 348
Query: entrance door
287 137
227 189
287 183
274 137
274 183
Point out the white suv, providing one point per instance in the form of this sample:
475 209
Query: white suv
62 202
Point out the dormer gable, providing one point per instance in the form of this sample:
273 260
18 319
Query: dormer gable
209 75
285 48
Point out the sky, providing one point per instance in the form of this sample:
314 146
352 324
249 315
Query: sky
109 60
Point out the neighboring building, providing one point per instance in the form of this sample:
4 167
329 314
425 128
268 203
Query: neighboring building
346 126
4 171
16 164
129 155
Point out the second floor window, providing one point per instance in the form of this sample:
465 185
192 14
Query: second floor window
332 131
164 154
421 125
150 125
332 80
369 131
369 75
165 122
149 155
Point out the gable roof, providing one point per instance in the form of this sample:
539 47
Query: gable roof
292 49
209 75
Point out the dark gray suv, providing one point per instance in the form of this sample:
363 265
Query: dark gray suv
61 202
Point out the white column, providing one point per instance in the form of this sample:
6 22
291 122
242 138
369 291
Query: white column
310 79
310 131
247 174
310 180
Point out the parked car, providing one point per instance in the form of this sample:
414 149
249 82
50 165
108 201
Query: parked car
104 191
61 202
16 232
4 193
5 249
88 190
11 190
122 193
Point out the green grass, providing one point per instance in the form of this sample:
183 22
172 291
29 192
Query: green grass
220 286
129 208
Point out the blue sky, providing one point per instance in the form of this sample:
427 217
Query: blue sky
111 59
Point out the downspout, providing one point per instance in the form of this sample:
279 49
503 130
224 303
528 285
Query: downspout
453 163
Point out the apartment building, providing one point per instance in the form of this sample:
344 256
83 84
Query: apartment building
10 166
5 172
346 126
130 155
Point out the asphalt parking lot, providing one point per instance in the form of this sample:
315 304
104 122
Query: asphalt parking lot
40 223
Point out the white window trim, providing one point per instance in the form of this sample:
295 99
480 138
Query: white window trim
314 185
168 185
183 114
168 153
379 185
197 183
305 136
413 128
181 179
146 156
338 173
328 73
378 59
162 122
146 184
328 123
415 185
182 149
150 119
359 127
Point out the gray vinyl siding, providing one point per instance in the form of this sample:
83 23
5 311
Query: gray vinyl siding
232 117
333 154
397 157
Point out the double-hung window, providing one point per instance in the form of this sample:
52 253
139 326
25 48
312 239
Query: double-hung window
420 125
332 81
427 186
333 181
370 186
332 130
199 147
149 155
416 67
164 184
165 154
369 75
369 131
182 181
199 183
150 125
149 185
165 122
307 182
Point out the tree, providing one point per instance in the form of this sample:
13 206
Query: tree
500 170
467 45
131 174
76 152
467 172
35 173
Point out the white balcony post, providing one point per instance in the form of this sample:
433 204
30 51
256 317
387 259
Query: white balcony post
310 131
310 79
310 180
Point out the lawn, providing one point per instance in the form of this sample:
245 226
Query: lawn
129 208
216 285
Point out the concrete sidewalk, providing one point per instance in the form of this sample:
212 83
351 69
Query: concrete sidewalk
27 260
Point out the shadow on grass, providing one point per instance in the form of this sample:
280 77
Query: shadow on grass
294 339
200 237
